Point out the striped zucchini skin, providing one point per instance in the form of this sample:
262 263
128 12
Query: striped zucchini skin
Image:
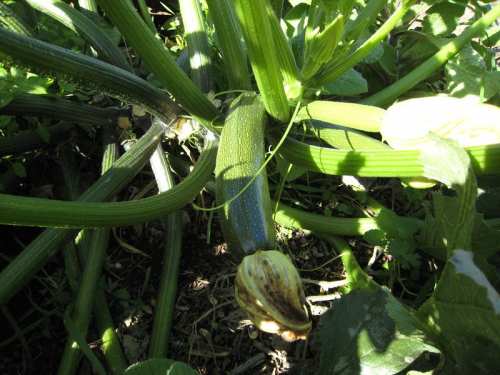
246 222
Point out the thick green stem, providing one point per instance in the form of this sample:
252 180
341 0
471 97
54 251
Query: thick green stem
263 53
86 72
286 60
28 140
378 163
295 218
143 8
331 74
84 26
197 44
12 22
356 277
61 109
230 41
47 212
428 67
158 59
94 261
165 301
38 252
90 5
110 342
85 299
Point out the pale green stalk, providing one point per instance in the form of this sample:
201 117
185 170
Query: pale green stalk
334 72
197 44
428 67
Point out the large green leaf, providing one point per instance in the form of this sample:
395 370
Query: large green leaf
464 313
160 366
369 332
467 74
351 83
442 18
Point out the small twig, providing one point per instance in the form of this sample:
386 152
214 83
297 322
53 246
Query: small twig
249 364
208 312
323 297
199 353
321 266
373 258
326 285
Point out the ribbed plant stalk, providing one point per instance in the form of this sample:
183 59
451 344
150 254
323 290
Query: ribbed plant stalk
87 72
286 59
330 74
61 109
94 261
367 16
230 41
356 277
378 163
299 219
10 21
143 9
277 7
38 252
158 59
197 43
347 139
110 342
165 301
85 299
83 26
428 67
89 5
55 213
263 53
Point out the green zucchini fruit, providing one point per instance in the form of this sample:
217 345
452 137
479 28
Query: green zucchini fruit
247 221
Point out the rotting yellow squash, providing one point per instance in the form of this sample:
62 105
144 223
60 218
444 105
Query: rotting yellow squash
268 286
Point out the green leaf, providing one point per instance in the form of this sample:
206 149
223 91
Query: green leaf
44 133
388 61
404 251
442 18
375 237
160 366
467 74
351 83
321 45
283 167
464 314
450 164
369 332
19 169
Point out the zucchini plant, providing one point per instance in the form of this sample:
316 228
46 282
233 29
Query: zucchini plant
330 88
